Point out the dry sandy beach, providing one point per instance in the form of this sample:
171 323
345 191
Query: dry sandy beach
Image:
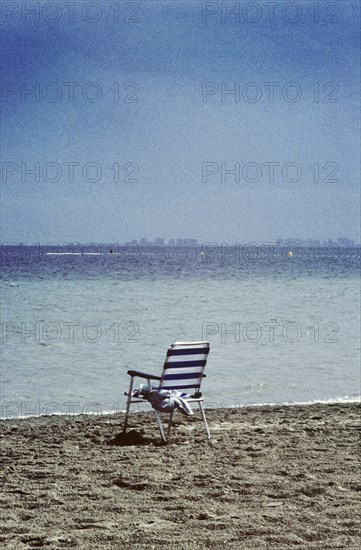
270 477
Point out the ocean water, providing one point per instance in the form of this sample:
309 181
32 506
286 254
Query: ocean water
74 320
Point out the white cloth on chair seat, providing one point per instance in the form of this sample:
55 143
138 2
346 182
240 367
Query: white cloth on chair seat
167 401
164 400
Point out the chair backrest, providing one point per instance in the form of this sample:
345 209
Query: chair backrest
184 366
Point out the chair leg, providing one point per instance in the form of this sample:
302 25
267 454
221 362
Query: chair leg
204 419
170 423
157 414
128 404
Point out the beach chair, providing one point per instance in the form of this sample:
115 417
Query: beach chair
182 371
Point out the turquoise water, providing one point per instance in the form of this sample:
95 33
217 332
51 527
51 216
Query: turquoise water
280 331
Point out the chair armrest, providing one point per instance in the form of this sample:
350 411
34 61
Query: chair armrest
143 375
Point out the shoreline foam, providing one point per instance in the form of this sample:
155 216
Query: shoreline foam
330 401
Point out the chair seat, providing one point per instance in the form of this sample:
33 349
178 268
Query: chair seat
145 400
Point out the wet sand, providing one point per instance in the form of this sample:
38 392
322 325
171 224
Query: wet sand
270 477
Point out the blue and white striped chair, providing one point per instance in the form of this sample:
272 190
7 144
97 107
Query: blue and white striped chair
183 370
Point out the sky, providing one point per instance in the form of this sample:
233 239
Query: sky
220 121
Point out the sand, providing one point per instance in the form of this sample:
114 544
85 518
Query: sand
270 477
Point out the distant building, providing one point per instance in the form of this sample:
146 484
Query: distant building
187 243
346 243
171 242
159 242
143 242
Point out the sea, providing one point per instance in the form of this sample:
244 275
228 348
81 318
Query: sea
283 323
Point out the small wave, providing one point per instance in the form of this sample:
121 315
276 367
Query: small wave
79 253
331 401
59 413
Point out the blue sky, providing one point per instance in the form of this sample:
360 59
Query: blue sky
138 108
